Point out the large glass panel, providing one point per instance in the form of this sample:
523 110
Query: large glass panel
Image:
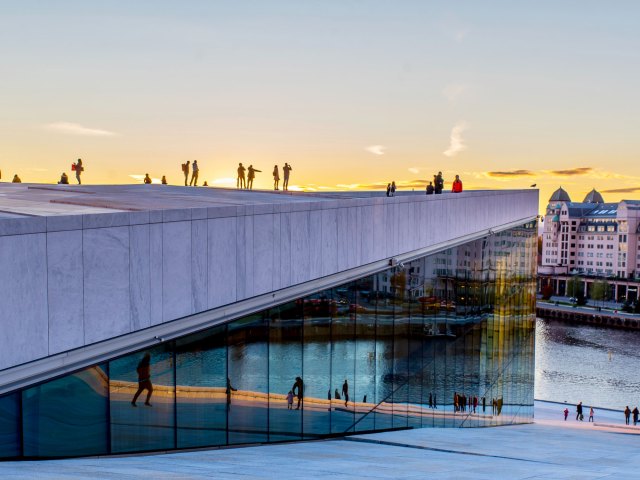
142 393
343 358
248 379
201 388
287 385
67 416
10 440
316 357
364 388
385 305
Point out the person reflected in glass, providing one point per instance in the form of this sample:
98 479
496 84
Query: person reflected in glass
484 404
144 380
228 391
430 400
345 392
290 400
297 390
435 402
635 415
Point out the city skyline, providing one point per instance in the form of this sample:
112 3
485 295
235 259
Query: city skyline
351 94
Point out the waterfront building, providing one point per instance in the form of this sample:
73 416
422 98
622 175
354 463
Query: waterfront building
211 305
593 239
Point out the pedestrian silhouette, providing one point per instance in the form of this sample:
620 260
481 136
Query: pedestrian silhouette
194 173
286 169
345 392
457 185
276 177
185 170
388 189
164 180
251 174
298 389
393 188
240 182
627 414
16 179
228 392
144 380
78 169
64 179
430 189
147 179
439 183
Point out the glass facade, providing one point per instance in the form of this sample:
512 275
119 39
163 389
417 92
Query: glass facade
446 340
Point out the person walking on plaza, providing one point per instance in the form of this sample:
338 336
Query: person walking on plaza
185 170
276 177
627 414
79 169
457 185
194 175
144 380
251 174
240 182
579 412
635 415
286 169
566 413
591 414
147 179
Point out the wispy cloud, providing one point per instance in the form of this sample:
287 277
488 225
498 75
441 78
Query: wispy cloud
572 171
622 190
454 91
511 173
376 149
223 181
77 129
457 143
414 170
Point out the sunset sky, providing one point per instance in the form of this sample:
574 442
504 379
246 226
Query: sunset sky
352 93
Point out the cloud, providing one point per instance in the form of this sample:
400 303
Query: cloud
376 149
414 170
622 190
511 173
77 129
457 143
224 181
454 91
572 171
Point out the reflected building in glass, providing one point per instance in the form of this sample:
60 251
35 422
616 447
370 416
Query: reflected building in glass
444 340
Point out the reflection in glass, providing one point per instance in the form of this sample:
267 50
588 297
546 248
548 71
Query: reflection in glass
201 384
10 440
443 340
248 379
146 424
67 416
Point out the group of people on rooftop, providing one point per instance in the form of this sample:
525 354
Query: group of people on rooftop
247 182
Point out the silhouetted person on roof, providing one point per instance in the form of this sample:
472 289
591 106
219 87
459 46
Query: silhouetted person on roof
185 170
251 174
393 188
286 169
240 182
144 380
430 189
194 175
16 179
457 185
64 179
276 177
147 179
439 183
79 169
388 189
164 180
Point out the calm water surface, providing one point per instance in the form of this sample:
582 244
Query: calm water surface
598 366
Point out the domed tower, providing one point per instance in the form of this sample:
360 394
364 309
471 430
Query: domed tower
555 235
593 197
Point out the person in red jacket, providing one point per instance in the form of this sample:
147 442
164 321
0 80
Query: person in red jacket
457 185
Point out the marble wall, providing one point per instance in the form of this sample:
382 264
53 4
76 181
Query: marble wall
70 281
